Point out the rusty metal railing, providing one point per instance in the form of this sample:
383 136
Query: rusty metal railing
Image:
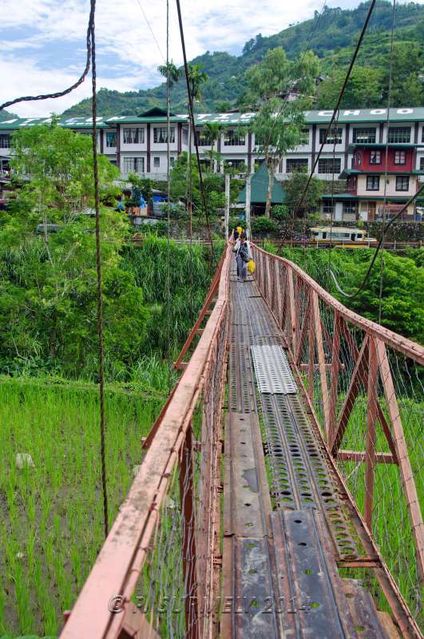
156 573
364 385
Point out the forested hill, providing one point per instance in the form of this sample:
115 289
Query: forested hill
331 34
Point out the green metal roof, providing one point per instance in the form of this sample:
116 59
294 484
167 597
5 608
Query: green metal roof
72 123
350 196
353 116
359 116
260 187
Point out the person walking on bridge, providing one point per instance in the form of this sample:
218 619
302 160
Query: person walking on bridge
242 257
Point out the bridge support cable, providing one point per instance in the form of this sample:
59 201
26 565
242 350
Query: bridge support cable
338 102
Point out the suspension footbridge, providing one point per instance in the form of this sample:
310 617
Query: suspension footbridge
278 490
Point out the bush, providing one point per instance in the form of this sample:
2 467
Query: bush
263 226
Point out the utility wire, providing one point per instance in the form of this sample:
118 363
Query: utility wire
339 99
59 94
150 29
192 123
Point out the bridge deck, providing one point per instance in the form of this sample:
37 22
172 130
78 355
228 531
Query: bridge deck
287 528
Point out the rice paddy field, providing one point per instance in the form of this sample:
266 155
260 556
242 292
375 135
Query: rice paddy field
51 517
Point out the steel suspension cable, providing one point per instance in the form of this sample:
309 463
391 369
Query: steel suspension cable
59 94
100 323
339 99
192 122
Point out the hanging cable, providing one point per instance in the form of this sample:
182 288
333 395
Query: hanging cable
339 99
150 29
389 104
168 193
412 199
192 123
59 94
100 332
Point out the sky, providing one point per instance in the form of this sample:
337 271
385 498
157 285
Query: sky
42 42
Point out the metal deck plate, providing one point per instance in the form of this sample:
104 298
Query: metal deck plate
272 370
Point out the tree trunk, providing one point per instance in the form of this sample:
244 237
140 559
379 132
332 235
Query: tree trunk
271 170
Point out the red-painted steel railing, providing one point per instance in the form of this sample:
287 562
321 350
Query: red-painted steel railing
156 573
364 384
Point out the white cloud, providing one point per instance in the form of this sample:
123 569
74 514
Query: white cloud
124 40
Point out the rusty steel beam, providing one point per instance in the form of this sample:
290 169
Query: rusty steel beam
402 344
371 436
120 561
213 288
402 455
360 456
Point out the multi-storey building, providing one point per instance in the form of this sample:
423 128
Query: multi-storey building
379 156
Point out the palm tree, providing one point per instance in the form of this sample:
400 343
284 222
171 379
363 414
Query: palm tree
213 131
170 72
196 77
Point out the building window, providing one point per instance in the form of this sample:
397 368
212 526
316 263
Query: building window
233 137
203 139
110 138
402 182
304 137
133 165
296 164
421 164
334 136
399 135
4 141
329 165
350 206
133 135
156 162
373 182
364 136
400 157
160 135
171 161
328 207
375 157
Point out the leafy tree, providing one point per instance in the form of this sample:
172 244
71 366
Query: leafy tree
294 187
213 184
48 291
364 89
278 123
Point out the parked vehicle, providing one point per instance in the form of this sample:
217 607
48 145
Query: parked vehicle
343 234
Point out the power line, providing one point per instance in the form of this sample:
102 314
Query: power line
191 116
150 29
339 99
59 94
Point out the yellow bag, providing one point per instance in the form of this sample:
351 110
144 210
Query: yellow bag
251 266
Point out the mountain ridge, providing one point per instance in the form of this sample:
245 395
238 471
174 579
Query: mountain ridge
331 34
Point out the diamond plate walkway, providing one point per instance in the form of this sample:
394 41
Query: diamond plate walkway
287 528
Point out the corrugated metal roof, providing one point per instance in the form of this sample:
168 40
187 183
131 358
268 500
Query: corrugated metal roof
259 188
353 116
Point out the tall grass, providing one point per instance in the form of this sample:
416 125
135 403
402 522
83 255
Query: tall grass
51 514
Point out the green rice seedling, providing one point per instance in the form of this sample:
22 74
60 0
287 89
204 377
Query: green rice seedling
51 525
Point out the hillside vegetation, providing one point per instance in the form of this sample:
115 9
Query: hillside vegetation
331 34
